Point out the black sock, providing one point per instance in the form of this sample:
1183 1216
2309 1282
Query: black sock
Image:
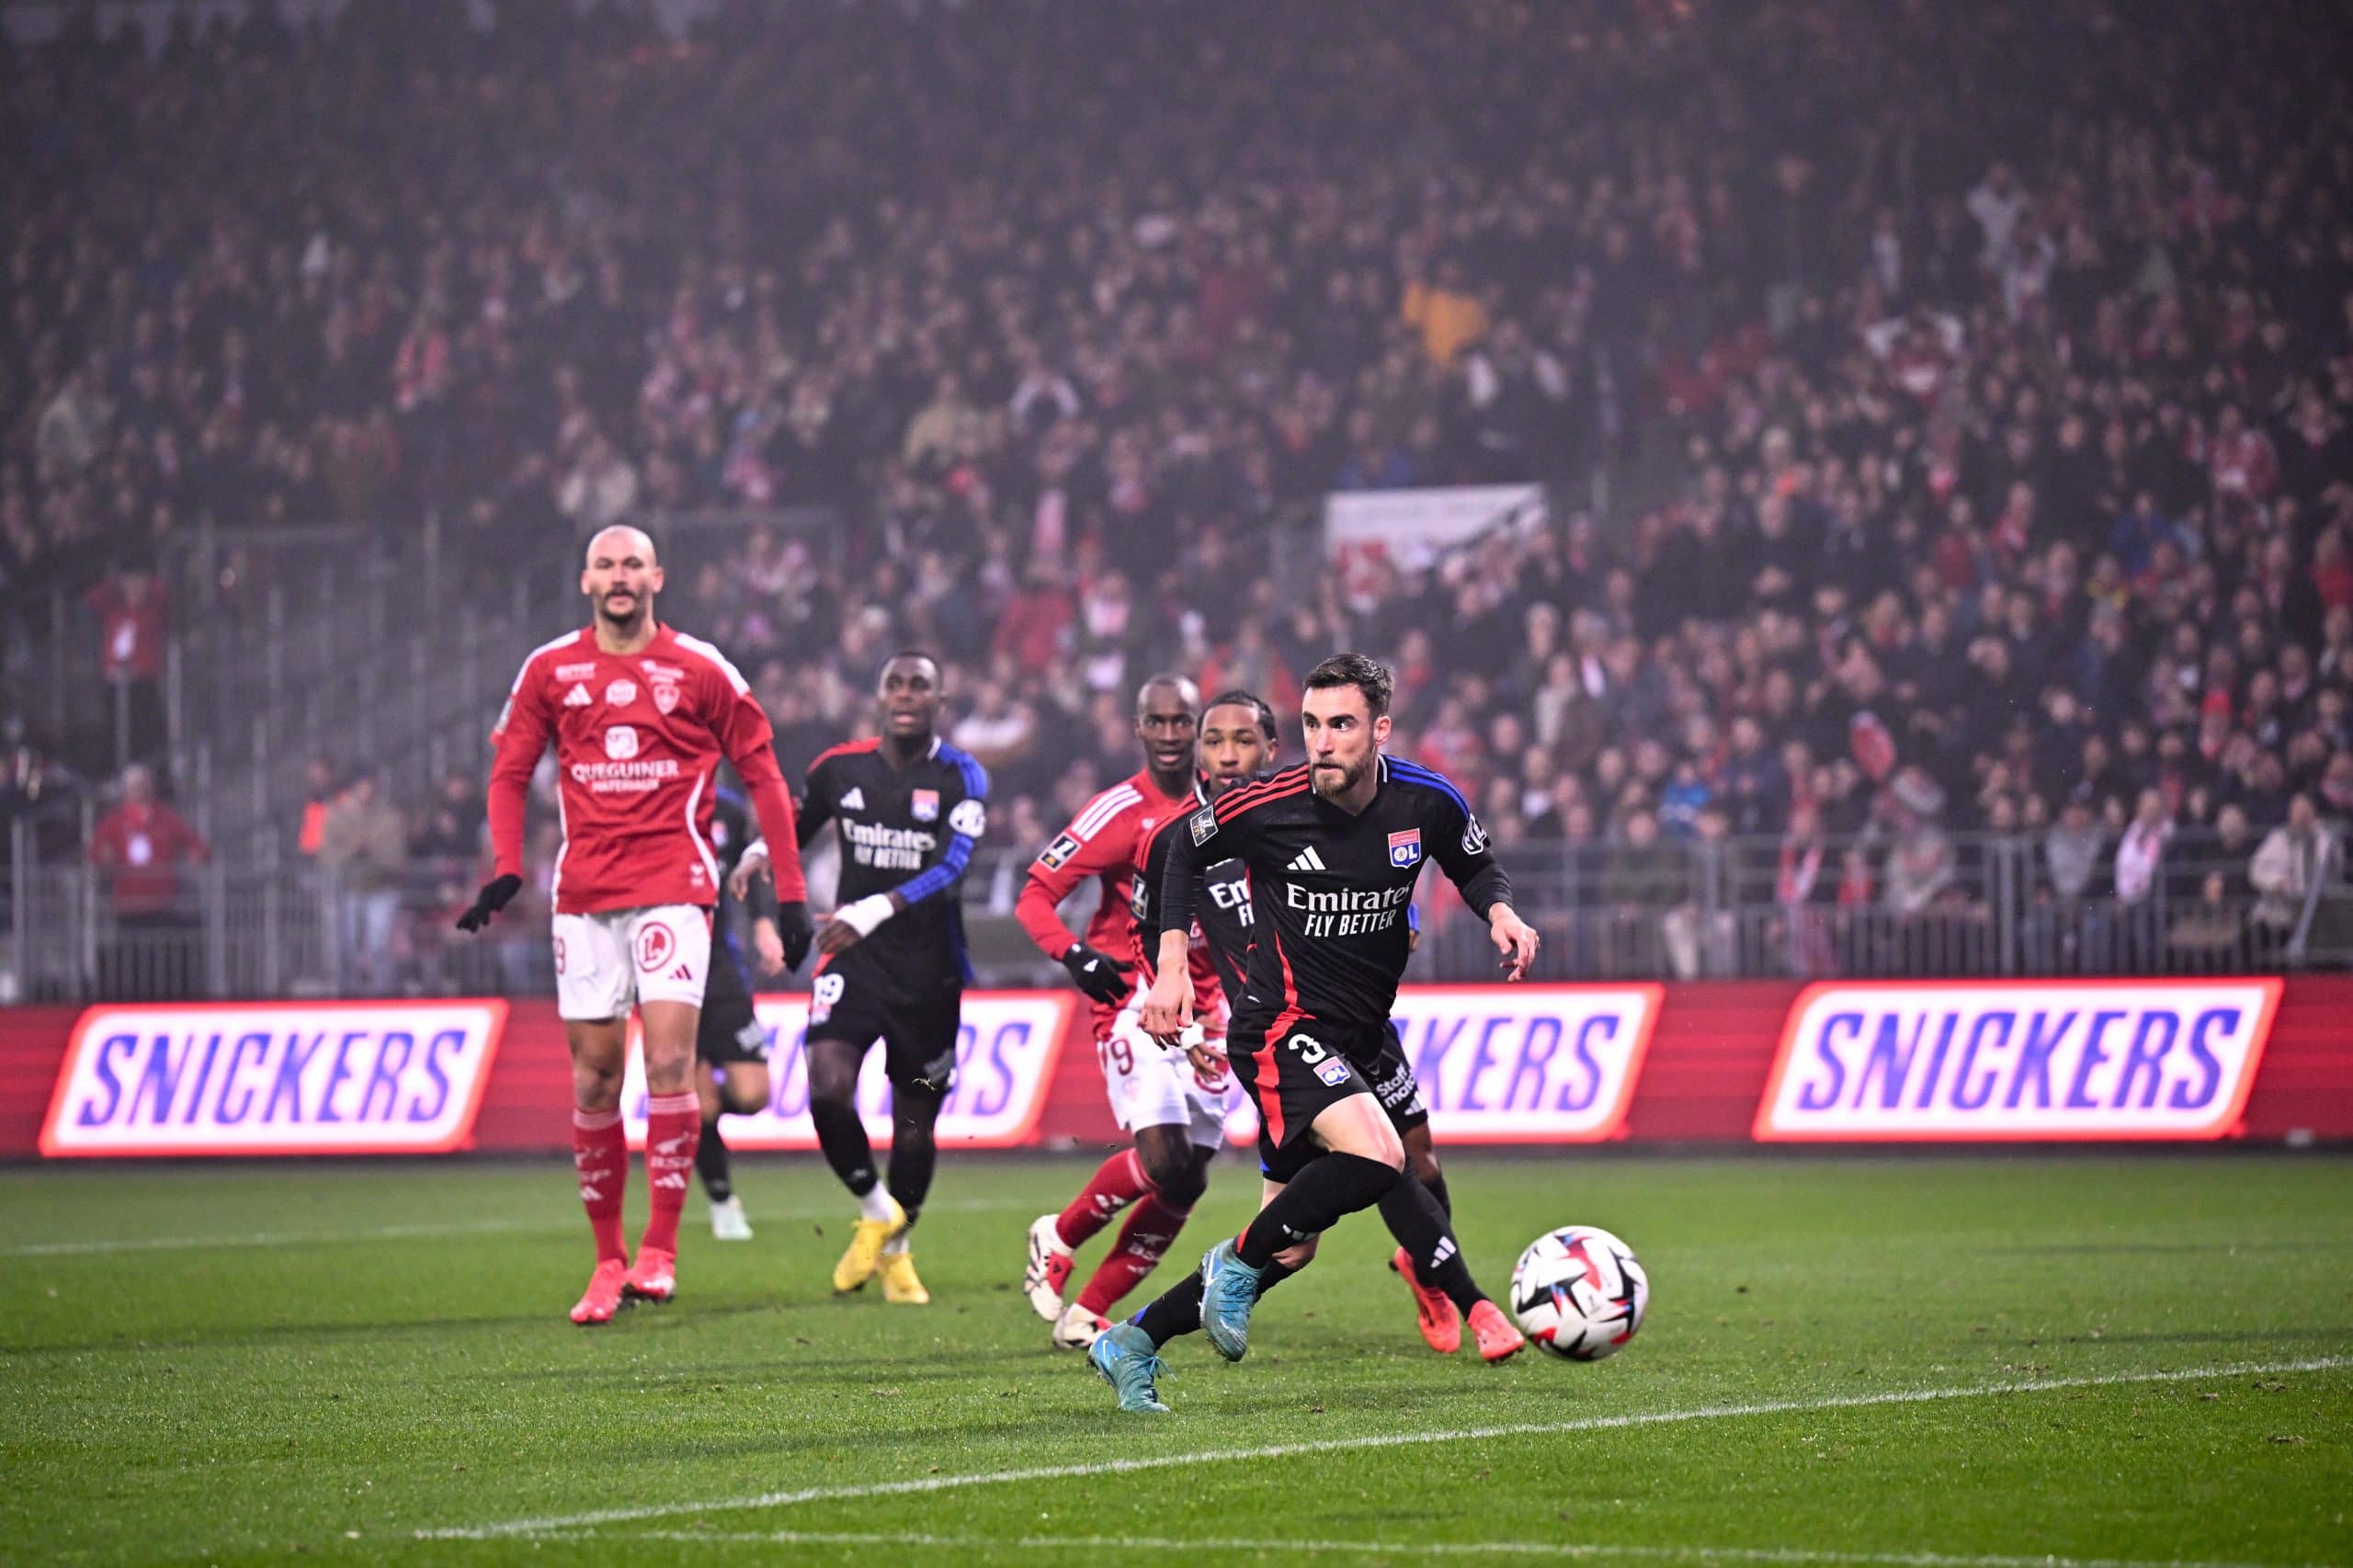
914 1151
1420 1225
711 1164
1332 1187
1436 1184
1178 1308
1176 1311
843 1138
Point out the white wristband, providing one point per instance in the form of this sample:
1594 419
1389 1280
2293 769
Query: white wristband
865 914
755 850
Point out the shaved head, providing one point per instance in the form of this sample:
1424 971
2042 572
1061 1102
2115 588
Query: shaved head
621 576
1186 694
623 539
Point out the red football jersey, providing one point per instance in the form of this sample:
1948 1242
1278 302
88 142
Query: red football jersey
1101 842
638 737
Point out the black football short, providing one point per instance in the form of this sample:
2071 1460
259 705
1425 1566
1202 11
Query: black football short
1393 1081
728 1032
918 1034
1293 1078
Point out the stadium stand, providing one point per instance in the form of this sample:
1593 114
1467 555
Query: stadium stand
1947 564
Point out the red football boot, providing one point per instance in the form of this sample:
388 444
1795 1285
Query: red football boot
1498 1337
604 1296
1434 1314
655 1277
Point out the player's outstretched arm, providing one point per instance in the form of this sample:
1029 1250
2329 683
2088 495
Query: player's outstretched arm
517 742
1097 841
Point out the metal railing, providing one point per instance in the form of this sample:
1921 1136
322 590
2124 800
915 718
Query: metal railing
1688 912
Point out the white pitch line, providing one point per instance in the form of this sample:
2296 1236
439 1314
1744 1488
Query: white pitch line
554 1523
1790 1554
407 1232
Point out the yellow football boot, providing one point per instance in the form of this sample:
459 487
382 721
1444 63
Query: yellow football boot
898 1281
866 1240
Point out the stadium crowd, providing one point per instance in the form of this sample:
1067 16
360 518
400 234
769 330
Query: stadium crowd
1997 363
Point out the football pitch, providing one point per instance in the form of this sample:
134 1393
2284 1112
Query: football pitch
1927 1363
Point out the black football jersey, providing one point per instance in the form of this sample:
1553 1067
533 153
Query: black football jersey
906 830
731 834
1222 910
1330 891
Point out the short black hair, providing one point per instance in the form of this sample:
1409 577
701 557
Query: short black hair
924 654
1369 676
1234 697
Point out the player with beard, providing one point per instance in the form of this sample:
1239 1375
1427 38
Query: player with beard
1333 849
640 716
1173 1108
909 808
1237 742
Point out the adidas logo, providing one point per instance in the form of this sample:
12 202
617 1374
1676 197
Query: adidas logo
1308 860
578 697
682 973
855 801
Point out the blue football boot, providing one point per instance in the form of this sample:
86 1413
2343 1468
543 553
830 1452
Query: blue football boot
1123 1356
1228 1289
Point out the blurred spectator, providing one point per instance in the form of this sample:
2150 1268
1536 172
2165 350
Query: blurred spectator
321 784
364 850
2297 859
140 848
130 605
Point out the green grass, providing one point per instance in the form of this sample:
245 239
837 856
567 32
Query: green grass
357 1353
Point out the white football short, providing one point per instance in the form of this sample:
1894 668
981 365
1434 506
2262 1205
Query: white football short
1151 1086
607 963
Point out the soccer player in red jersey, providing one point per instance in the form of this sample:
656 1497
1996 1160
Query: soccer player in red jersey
1175 1112
641 716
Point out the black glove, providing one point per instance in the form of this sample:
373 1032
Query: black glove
795 931
1100 975
494 896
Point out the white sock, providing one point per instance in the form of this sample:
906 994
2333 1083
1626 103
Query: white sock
896 1246
875 1204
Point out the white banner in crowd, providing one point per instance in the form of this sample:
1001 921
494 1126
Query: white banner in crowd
2031 1060
1004 1060
1412 528
273 1078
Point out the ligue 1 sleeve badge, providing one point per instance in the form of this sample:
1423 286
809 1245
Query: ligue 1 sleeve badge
1405 848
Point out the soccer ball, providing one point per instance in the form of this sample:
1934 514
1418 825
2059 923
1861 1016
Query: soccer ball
1579 1292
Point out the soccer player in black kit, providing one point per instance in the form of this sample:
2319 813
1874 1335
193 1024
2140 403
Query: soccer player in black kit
728 1035
909 807
1238 739
1332 847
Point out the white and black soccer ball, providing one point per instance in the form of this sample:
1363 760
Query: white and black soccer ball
1579 1292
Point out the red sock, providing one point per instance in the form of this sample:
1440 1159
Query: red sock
1116 1182
1151 1226
673 1129
600 1154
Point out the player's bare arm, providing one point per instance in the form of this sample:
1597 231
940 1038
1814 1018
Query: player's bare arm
1168 1006
1514 939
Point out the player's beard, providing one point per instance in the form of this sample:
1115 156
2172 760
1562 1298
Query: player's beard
1349 778
628 620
